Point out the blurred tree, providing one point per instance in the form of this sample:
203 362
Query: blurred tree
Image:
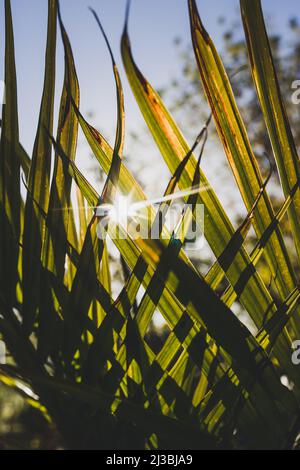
185 98
186 94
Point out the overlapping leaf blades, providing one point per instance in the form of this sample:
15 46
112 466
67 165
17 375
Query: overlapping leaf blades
84 353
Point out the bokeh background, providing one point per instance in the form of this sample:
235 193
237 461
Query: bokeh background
154 25
160 36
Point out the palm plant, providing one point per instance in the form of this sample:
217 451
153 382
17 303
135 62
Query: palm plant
79 355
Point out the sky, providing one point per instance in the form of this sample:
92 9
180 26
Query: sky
153 26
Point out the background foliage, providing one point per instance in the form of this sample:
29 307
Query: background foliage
83 359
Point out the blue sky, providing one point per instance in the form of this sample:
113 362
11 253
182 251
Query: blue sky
153 26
